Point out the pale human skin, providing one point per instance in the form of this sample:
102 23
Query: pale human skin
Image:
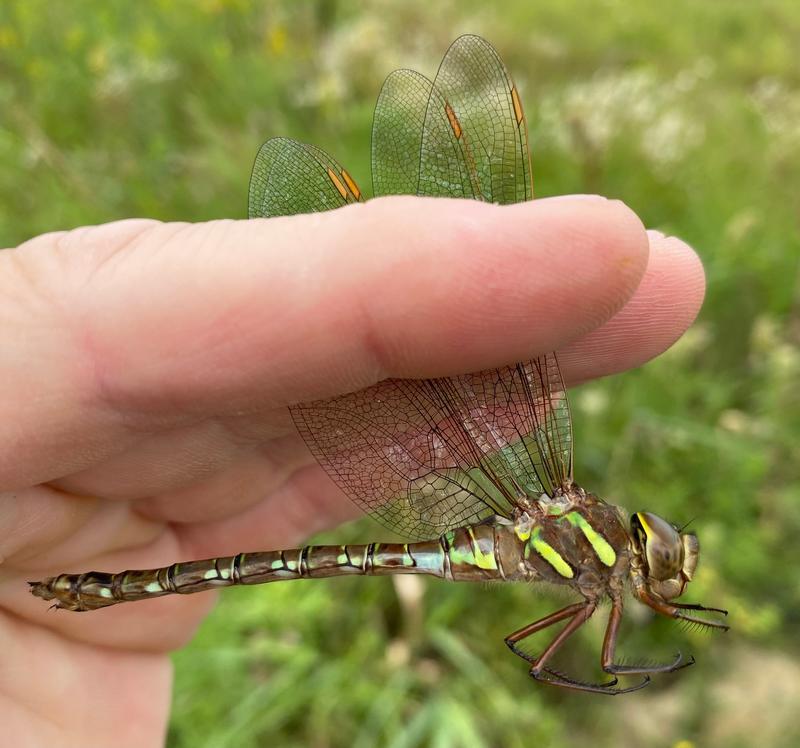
146 369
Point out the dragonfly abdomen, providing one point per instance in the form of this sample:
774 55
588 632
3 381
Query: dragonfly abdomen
467 553
93 590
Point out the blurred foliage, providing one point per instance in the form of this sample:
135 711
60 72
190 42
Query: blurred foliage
690 113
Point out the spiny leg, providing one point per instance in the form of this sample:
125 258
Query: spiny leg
696 606
579 614
610 645
673 610
555 678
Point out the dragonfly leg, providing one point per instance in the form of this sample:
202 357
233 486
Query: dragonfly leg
554 678
512 639
673 610
695 606
610 645
579 614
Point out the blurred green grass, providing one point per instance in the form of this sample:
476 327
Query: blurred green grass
689 114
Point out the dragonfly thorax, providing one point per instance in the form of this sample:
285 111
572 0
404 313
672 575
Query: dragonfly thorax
573 538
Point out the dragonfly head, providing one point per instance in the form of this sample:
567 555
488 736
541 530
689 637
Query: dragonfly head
667 557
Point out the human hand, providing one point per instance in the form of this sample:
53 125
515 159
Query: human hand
146 369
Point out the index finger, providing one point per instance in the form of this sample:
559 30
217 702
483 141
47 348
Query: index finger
133 323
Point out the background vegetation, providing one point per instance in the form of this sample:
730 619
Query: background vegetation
692 116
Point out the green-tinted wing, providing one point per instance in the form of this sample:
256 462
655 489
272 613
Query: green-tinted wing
290 177
480 106
397 133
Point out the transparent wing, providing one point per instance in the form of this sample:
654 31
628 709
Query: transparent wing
289 177
424 456
464 135
478 103
397 133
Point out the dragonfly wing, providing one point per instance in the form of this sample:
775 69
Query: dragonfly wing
425 456
397 132
289 177
480 105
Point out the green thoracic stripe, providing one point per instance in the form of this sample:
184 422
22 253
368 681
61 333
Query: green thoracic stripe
550 554
601 546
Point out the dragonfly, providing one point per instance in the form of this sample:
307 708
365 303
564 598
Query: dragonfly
474 472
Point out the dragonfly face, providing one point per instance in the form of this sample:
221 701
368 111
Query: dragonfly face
666 557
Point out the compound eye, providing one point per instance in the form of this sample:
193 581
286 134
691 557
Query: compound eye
663 547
